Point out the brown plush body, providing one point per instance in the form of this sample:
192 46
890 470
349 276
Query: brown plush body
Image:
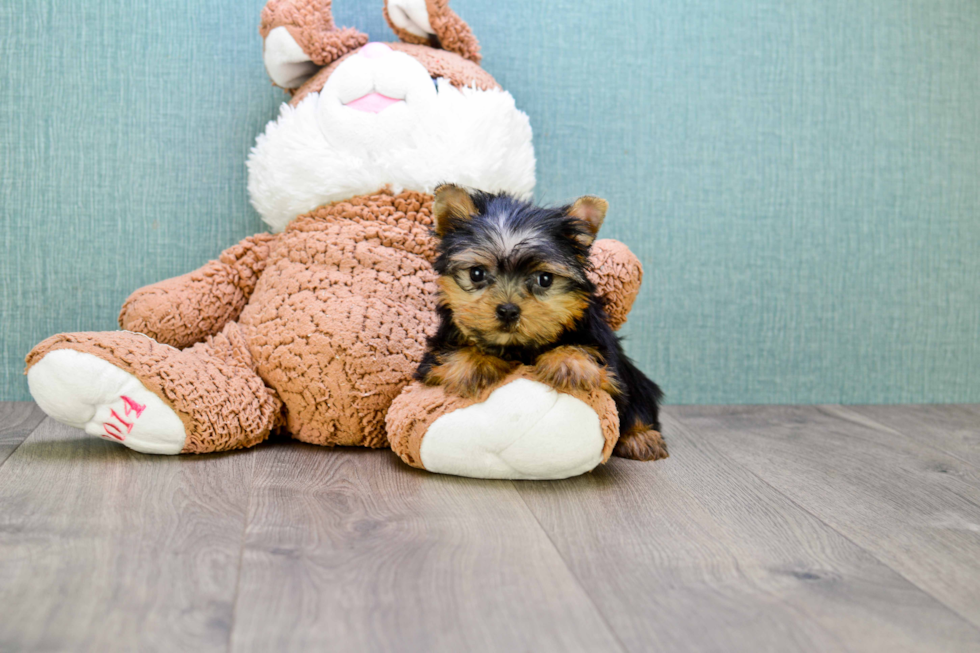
316 329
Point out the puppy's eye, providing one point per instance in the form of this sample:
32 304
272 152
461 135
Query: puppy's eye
478 275
545 279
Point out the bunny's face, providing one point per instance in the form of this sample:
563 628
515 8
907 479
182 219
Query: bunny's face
403 115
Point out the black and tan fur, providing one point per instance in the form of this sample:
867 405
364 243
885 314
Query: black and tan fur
513 290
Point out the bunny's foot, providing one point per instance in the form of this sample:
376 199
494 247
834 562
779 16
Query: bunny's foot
150 397
520 429
86 392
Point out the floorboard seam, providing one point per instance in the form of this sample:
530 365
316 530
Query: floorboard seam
975 626
19 444
966 619
578 581
871 422
892 429
241 552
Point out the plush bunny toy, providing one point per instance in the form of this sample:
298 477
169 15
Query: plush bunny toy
316 329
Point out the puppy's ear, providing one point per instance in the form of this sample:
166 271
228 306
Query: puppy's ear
591 211
452 205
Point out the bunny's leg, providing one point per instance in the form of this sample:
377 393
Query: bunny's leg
185 310
519 429
126 387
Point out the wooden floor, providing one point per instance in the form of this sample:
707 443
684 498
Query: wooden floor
769 529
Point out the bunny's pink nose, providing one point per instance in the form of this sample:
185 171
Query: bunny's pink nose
375 50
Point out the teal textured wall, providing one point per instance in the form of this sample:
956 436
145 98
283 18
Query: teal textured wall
800 179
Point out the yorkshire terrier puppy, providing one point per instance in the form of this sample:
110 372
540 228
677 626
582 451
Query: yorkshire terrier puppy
513 290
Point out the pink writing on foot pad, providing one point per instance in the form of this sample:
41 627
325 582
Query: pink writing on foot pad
132 406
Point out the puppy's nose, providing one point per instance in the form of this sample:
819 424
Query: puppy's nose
374 50
508 312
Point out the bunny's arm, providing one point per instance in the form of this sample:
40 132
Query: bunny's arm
617 274
186 309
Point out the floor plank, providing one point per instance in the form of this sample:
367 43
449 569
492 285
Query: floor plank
351 550
777 528
17 420
104 549
913 507
696 554
954 429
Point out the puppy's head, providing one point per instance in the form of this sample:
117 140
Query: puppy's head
514 274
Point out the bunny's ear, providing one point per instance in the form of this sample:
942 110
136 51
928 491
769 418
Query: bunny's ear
432 22
300 36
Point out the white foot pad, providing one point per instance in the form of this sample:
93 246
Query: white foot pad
86 392
524 430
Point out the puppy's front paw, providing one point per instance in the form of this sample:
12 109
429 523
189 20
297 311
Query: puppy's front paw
468 371
572 368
